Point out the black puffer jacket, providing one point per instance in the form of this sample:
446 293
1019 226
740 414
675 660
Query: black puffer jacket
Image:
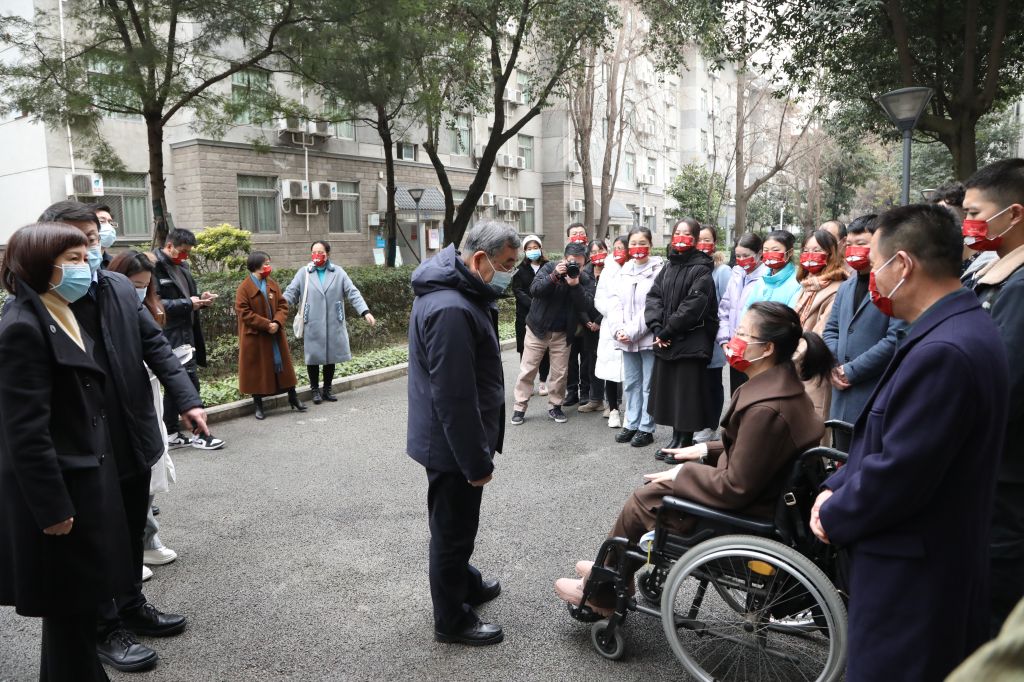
682 306
558 306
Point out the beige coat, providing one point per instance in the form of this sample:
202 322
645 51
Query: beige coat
814 307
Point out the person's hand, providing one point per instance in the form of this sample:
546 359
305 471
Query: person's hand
621 336
662 343
208 296
667 475
839 379
195 421
690 453
62 528
370 320
593 326
560 269
273 328
482 482
197 303
816 527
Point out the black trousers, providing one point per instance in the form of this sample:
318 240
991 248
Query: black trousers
454 509
68 652
135 495
611 393
314 375
170 409
736 379
578 383
715 393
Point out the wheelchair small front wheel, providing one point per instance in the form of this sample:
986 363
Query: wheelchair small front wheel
649 587
611 644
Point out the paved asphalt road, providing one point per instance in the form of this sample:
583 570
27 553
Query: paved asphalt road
303 553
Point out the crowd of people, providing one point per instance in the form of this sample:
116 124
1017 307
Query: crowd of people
107 350
908 325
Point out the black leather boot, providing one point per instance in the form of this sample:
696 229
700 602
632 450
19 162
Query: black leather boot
293 400
257 400
317 399
677 437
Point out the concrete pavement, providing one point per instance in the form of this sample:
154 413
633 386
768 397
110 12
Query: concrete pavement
303 552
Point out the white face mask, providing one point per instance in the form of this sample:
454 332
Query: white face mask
141 292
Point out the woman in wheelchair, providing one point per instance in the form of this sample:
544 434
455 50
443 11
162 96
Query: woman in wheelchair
770 421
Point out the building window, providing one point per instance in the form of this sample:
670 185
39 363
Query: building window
672 174
651 223
523 85
344 215
652 168
703 100
108 81
462 138
345 130
527 220
246 86
630 166
405 151
257 204
127 195
526 150
704 141
458 196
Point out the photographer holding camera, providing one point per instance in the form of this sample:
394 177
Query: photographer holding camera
562 294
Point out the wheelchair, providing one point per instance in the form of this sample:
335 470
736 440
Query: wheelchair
739 598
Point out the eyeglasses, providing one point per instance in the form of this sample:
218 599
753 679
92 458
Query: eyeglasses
111 223
747 337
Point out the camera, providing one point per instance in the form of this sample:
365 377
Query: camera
572 269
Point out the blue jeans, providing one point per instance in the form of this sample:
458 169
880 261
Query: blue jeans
636 389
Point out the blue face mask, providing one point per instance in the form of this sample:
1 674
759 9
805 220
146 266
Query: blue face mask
501 280
533 254
108 236
74 282
95 257
141 293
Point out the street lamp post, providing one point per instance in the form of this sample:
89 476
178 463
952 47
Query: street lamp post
416 195
904 107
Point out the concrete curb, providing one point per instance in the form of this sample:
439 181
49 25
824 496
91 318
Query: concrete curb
244 408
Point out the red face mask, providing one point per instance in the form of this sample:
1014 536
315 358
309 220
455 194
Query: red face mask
734 351
748 264
706 247
682 243
620 257
857 257
976 237
267 269
774 260
883 303
598 258
180 258
639 251
578 239
319 259
813 262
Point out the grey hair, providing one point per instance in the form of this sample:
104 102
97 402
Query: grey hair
491 237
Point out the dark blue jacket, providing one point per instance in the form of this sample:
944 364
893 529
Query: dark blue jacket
863 341
914 503
456 384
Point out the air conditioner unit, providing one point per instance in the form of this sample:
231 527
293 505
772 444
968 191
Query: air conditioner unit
509 94
576 206
506 161
506 204
320 128
373 220
650 210
291 124
521 97
521 205
521 162
645 180
325 191
486 199
83 184
294 189
574 167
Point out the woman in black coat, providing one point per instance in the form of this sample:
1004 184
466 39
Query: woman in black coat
682 313
62 526
533 261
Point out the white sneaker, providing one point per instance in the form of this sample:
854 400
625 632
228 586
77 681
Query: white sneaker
614 420
543 389
146 573
159 557
207 442
178 440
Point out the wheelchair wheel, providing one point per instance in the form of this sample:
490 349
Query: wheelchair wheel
648 586
740 607
611 645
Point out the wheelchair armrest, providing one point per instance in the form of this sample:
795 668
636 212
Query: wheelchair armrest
744 523
827 453
839 425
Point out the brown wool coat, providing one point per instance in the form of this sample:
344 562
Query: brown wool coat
771 420
255 343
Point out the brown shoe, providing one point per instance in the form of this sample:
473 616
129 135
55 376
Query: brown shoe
591 407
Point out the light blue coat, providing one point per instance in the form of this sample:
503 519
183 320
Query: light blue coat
325 335
781 287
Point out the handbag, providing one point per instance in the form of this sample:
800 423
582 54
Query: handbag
299 323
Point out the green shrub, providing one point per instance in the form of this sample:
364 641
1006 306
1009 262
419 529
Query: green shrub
221 248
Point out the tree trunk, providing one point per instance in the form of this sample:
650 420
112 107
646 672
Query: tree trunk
965 147
157 184
739 225
390 214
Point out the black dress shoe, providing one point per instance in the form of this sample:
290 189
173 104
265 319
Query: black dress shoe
257 410
328 396
156 510
122 651
489 589
150 621
642 439
475 634
676 442
317 398
571 399
625 435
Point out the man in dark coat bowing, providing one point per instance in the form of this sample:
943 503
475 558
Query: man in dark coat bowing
456 414
914 503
